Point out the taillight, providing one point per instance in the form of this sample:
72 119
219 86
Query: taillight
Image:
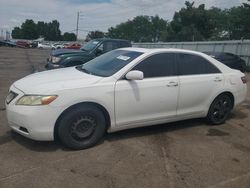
244 79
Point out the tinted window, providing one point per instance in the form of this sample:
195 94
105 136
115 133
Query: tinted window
109 45
124 44
109 63
158 65
90 45
193 64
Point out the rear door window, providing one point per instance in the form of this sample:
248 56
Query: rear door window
189 64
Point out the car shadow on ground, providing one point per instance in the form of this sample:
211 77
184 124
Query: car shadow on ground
154 130
37 146
50 146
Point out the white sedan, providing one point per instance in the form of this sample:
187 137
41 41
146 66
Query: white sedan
44 46
57 46
122 89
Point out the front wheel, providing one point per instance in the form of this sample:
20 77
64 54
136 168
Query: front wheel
220 109
82 127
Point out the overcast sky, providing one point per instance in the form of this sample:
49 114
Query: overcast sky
95 14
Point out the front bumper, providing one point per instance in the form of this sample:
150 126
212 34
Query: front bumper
34 122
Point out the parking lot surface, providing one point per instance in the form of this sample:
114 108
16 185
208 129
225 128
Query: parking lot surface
183 154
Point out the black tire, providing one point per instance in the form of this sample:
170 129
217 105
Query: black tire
81 127
220 109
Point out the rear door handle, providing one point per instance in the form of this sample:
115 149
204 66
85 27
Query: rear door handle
172 84
217 79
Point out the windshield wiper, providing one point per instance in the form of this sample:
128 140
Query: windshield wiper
85 70
80 68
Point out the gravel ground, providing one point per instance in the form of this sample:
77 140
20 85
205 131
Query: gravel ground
183 154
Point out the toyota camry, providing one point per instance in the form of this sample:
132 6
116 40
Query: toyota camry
122 89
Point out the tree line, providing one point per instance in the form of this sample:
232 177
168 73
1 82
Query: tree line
189 24
50 31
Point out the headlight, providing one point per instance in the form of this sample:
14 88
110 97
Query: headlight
55 59
33 100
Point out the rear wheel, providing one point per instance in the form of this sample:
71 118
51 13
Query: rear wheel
82 127
220 109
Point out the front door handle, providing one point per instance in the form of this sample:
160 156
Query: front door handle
172 84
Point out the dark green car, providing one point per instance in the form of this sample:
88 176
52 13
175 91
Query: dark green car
67 58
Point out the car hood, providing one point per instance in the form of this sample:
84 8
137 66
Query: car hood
48 82
66 51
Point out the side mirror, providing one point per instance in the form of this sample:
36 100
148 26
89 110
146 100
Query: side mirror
134 75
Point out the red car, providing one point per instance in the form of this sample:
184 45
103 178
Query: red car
22 44
73 46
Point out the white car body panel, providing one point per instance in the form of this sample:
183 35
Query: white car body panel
196 91
137 101
129 104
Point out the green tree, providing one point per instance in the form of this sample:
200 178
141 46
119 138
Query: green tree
239 19
69 37
219 20
17 33
159 26
190 24
29 30
95 34
53 31
140 29
41 28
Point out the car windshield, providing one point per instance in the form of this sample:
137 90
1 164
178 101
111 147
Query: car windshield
90 45
109 63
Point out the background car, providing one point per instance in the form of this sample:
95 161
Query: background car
122 89
57 46
229 59
22 44
44 46
7 43
33 44
76 46
67 58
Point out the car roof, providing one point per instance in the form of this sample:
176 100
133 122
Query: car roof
109 39
220 54
155 50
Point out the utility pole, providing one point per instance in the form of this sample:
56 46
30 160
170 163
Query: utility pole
2 33
77 23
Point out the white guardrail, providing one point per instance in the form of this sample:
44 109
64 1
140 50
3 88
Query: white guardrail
239 47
